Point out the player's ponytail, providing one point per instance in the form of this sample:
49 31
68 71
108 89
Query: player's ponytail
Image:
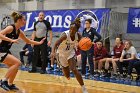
16 16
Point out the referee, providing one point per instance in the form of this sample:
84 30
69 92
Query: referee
89 32
41 29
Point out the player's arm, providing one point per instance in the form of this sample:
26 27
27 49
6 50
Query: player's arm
29 41
58 42
5 31
79 37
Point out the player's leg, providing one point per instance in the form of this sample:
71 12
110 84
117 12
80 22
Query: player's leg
62 60
66 72
72 65
14 64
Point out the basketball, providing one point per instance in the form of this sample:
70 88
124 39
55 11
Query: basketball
85 44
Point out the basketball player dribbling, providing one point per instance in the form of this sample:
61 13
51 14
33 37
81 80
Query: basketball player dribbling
64 49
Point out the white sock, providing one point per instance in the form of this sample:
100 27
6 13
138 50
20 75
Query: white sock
84 89
10 84
4 79
83 86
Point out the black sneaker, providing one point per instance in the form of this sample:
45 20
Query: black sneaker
4 85
128 77
42 72
114 76
13 87
97 74
32 71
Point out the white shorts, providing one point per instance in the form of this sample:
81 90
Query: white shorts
63 57
2 56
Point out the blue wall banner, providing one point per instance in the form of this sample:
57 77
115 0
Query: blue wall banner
60 19
133 20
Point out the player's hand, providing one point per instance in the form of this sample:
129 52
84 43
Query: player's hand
121 60
49 43
42 41
15 41
76 45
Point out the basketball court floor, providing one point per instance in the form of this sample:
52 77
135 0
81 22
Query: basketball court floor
38 83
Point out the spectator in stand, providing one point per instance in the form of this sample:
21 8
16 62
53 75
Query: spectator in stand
129 58
117 50
27 50
100 55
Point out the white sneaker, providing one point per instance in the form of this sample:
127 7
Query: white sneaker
84 90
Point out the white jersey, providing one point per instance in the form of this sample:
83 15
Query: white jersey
68 45
66 49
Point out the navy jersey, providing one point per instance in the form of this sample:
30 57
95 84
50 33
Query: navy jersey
5 45
91 33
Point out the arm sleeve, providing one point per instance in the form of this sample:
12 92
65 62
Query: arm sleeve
133 50
49 28
35 26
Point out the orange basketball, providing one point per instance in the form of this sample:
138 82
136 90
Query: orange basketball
85 44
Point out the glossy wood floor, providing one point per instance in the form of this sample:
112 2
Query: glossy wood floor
37 83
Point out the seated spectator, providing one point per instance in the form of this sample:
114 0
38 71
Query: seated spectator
100 55
129 58
117 50
27 50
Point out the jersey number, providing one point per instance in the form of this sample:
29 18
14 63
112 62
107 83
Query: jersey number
68 46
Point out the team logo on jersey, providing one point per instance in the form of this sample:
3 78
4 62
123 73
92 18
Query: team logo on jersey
87 14
89 33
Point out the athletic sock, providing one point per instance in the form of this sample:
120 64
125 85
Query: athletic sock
4 79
